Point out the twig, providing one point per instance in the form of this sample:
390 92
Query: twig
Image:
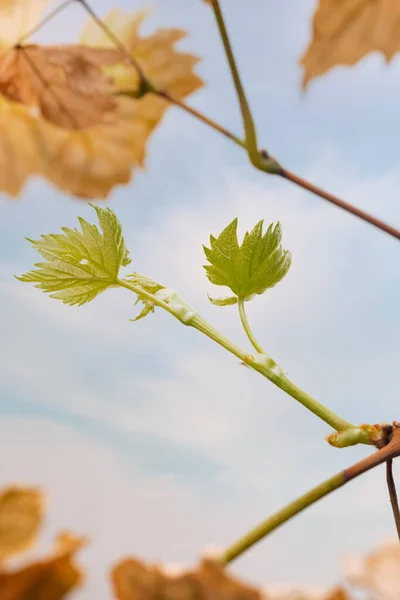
200 117
387 453
341 203
49 17
393 494
248 121
115 39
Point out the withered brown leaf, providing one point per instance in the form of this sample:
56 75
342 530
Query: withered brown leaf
65 83
344 31
338 594
21 514
134 580
307 592
50 579
17 17
89 163
378 573
156 55
60 119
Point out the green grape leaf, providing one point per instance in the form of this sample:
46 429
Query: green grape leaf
80 265
148 285
258 264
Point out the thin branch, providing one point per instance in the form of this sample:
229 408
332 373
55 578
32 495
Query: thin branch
387 453
341 203
49 17
393 494
237 140
268 368
248 121
200 117
247 328
152 88
115 40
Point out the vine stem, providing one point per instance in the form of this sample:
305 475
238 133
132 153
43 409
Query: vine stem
247 328
393 494
254 536
271 370
203 118
260 362
248 121
267 367
47 18
299 181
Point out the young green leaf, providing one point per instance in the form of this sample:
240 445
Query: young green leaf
258 264
80 265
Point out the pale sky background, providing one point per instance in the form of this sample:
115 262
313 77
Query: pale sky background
147 437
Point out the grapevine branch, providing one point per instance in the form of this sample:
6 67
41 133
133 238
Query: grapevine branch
385 454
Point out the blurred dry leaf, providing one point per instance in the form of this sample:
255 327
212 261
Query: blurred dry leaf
132 580
65 83
21 514
89 140
338 594
17 17
165 67
288 592
344 31
50 579
378 573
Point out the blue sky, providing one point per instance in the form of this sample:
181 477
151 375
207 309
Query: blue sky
150 438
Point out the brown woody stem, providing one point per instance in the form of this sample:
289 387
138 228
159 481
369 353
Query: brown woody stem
393 494
338 202
200 117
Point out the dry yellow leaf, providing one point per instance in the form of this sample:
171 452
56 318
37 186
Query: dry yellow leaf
133 580
338 594
89 140
90 162
18 17
378 573
21 514
50 579
307 592
126 26
65 83
344 31
165 67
